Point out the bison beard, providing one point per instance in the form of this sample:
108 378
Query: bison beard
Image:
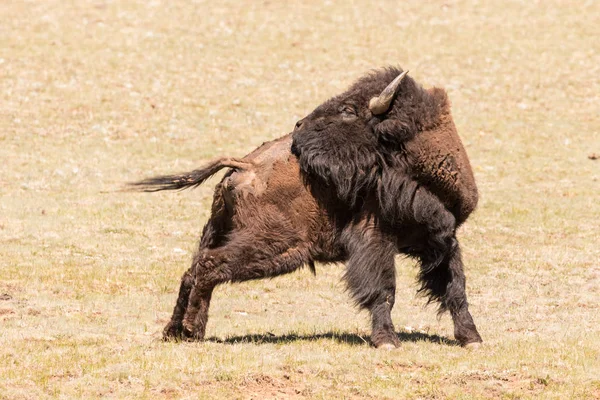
355 194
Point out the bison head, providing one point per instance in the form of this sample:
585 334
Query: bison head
343 143
384 133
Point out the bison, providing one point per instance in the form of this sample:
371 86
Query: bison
374 172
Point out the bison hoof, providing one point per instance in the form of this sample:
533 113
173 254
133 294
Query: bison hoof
172 331
190 334
387 346
473 346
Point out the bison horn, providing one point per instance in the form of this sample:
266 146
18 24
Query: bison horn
380 104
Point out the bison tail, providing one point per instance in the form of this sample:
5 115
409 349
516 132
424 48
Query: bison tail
189 179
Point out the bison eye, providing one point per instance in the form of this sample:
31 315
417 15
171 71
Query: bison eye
348 113
346 109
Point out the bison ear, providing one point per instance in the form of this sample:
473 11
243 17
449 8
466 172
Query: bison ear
395 130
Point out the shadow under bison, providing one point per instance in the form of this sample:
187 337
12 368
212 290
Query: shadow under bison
345 338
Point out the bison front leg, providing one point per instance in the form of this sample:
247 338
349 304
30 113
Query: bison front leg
371 280
445 282
455 300
442 276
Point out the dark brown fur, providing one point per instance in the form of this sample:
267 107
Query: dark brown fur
354 195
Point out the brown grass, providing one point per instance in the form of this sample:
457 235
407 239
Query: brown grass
97 93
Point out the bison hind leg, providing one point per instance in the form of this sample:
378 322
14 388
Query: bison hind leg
212 236
174 329
246 256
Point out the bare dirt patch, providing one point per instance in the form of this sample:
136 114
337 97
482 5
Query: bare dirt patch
256 387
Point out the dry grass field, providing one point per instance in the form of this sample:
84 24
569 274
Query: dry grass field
95 93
